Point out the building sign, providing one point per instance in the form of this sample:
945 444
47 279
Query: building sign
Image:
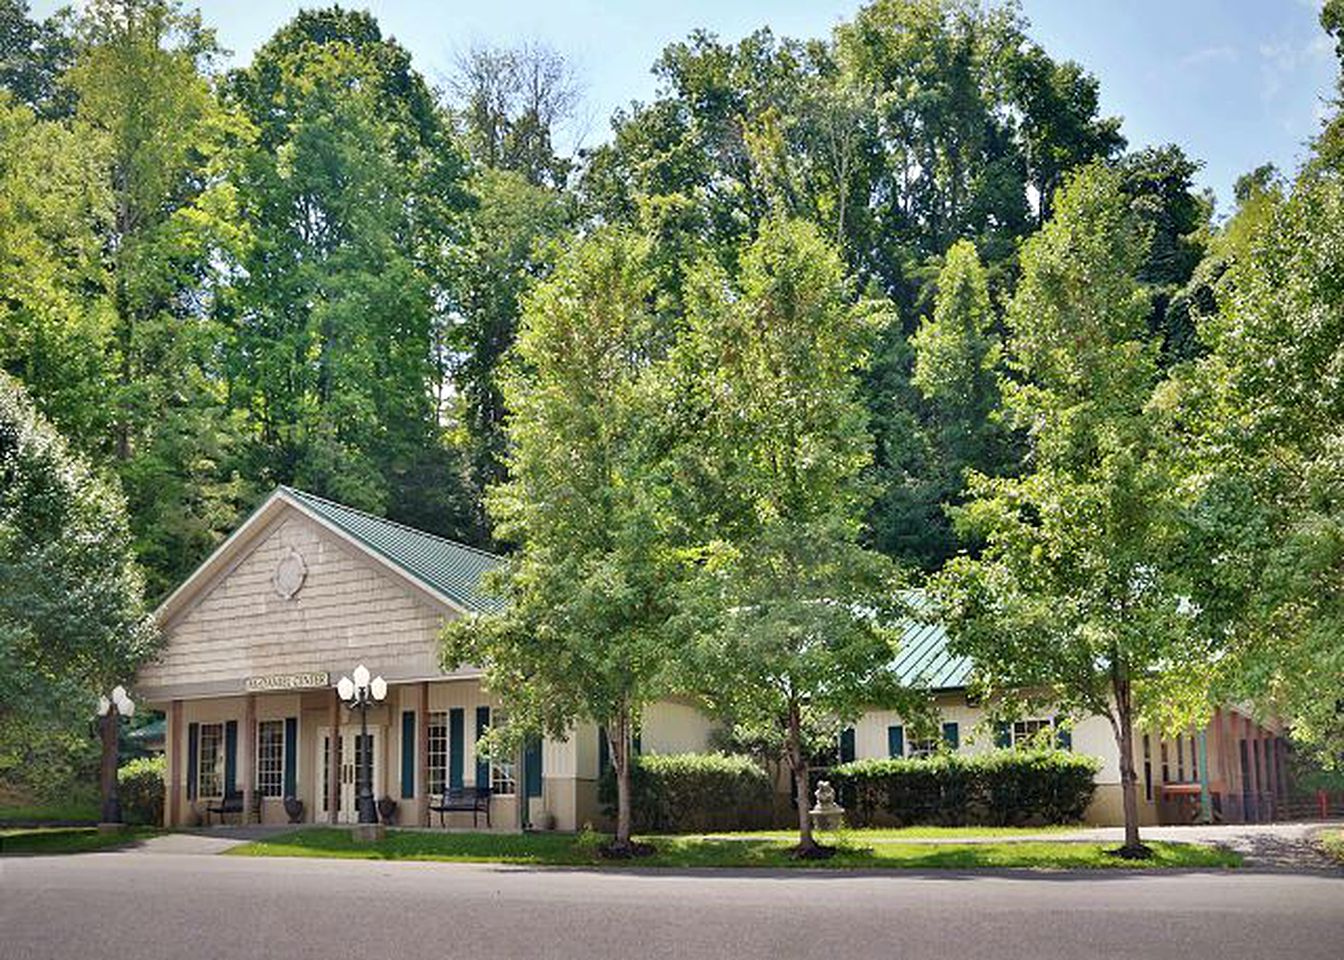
287 681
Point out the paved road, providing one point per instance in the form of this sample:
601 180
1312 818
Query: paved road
151 906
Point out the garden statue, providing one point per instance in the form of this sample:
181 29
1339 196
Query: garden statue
827 814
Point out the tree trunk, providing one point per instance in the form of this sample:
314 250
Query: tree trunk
619 737
111 812
798 766
1124 729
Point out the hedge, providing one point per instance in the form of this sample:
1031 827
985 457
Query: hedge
998 788
140 787
693 793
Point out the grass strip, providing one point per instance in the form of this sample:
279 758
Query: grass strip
566 850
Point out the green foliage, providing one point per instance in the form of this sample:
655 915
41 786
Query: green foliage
999 788
588 593
72 616
789 611
353 191
1083 589
694 792
140 786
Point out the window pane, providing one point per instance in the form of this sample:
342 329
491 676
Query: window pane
210 771
271 758
438 752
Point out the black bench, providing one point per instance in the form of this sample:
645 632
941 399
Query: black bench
471 800
233 803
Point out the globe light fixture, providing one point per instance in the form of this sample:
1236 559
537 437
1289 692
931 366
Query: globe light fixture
359 694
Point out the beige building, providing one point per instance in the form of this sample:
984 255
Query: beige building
306 589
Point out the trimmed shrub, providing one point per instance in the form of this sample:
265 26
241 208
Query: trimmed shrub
140 786
693 793
999 788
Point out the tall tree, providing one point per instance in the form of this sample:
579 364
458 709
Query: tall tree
33 56
355 196
73 620
1082 589
788 609
583 631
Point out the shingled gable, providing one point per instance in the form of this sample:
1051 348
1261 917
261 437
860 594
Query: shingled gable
446 571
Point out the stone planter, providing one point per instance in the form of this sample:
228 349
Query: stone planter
387 810
294 809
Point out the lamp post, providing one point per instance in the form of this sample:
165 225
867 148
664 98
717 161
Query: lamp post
359 694
110 709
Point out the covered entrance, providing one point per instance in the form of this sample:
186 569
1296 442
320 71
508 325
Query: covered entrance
349 754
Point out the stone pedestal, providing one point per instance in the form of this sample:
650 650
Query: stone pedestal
827 814
368 832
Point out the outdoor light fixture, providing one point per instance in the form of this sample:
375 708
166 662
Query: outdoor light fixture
359 694
110 708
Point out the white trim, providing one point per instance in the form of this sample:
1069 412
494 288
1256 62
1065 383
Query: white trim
168 610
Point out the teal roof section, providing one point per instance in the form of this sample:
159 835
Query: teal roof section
922 657
453 569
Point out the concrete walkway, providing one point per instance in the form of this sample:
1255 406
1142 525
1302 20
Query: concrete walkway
205 840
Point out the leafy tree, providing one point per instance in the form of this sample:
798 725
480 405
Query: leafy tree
515 228
788 609
583 634
1082 589
511 103
73 621
1264 439
33 56
354 194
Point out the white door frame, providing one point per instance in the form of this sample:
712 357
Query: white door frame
349 776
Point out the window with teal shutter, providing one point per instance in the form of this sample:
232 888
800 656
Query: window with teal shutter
1063 735
193 743
847 745
291 756
951 736
456 745
230 757
407 754
482 764
896 741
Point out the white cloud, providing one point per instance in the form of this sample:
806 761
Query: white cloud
1226 53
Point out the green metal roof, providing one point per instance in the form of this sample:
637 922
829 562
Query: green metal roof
922 658
453 569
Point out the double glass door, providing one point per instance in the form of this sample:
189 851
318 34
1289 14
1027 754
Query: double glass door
350 747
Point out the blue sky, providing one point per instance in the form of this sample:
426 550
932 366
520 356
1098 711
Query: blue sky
1235 82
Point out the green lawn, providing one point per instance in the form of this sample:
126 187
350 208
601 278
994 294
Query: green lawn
86 810
884 834
1333 844
66 840
565 850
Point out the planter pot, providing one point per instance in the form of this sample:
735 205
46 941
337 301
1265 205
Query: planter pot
387 810
294 809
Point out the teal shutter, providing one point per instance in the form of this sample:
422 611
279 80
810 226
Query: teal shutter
230 757
193 744
847 745
603 751
407 754
1003 735
1063 735
482 765
456 746
291 756
639 747
951 736
532 766
896 741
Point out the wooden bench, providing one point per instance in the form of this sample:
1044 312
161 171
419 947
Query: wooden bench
473 800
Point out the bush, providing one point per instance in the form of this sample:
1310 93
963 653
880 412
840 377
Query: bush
140 786
999 788
693 793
